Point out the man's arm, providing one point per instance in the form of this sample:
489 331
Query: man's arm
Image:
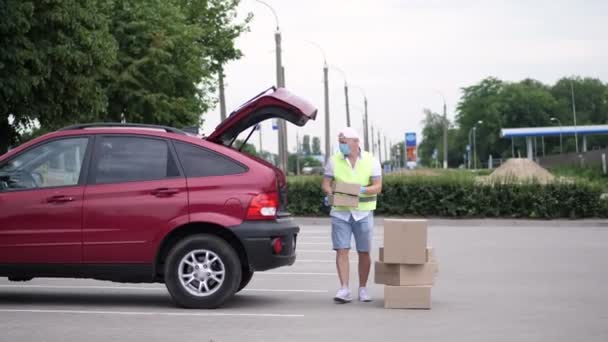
376 180
328 176
375 188
326 185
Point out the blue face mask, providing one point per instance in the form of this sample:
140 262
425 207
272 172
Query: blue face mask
345 149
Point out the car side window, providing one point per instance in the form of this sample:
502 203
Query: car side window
200 162
130 159
53 164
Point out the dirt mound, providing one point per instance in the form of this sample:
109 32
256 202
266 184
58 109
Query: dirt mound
521 170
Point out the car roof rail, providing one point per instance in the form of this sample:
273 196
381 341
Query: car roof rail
167 129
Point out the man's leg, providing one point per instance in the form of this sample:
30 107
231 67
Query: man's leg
343 266
363 231
365 262
341 232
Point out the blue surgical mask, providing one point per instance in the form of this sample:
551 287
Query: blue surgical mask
345 149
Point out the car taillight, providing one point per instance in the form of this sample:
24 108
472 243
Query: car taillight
263 207
277 245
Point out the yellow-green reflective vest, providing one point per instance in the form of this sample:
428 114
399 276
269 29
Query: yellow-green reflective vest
361 174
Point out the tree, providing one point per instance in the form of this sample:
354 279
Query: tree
591 100
316 146
306 145
53 56
248 148
160 65
219 29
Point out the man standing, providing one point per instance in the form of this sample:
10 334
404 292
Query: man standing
351 165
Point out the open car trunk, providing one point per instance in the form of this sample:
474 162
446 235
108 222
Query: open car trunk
269 104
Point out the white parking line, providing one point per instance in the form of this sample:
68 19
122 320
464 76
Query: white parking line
316 250
135 288
148 313
295 274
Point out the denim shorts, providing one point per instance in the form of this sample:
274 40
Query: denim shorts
342 232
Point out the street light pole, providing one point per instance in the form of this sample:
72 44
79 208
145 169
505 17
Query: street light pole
445 131
222 95
561 145
282 136
574 115
326 96
326 88
379 147
365 120
372 141
345 94
472 148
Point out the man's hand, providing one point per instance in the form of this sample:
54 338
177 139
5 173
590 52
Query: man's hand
326 186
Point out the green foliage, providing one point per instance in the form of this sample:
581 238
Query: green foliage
316 146
305 161
148 61
248 148
53 56
159 65
458 195
527 103
306 145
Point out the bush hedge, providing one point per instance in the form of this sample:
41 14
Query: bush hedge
460 196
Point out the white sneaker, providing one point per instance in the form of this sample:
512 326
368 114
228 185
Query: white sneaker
364 295
343 296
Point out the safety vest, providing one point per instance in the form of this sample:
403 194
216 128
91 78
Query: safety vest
361 174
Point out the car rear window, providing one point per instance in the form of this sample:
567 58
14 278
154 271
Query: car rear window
201 162
130 159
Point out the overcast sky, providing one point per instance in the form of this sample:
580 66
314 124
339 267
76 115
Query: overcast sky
402 51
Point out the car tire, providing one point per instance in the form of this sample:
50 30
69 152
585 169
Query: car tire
245 279
202 272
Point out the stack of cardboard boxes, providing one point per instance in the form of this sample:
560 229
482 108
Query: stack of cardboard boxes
407 267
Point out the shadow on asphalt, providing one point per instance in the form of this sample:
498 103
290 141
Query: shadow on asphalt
110 300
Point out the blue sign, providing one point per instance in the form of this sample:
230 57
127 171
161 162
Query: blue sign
275 124
410 139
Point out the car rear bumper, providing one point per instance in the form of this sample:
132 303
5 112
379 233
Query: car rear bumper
257 237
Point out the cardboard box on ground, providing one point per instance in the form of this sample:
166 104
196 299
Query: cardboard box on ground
407 297
407 267
404 275
405 241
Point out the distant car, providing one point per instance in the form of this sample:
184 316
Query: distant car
312 170
141 203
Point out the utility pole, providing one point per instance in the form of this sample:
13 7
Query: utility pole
283 125
366 127
222 95
373 143
347 108
574 115
326 93
445 136
386 156
379 147
279 65
297 153
260 132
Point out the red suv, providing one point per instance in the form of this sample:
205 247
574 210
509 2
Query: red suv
141 203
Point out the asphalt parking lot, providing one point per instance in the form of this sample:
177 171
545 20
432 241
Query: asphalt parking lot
498 281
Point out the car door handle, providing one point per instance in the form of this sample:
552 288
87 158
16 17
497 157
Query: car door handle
60 199
164 192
